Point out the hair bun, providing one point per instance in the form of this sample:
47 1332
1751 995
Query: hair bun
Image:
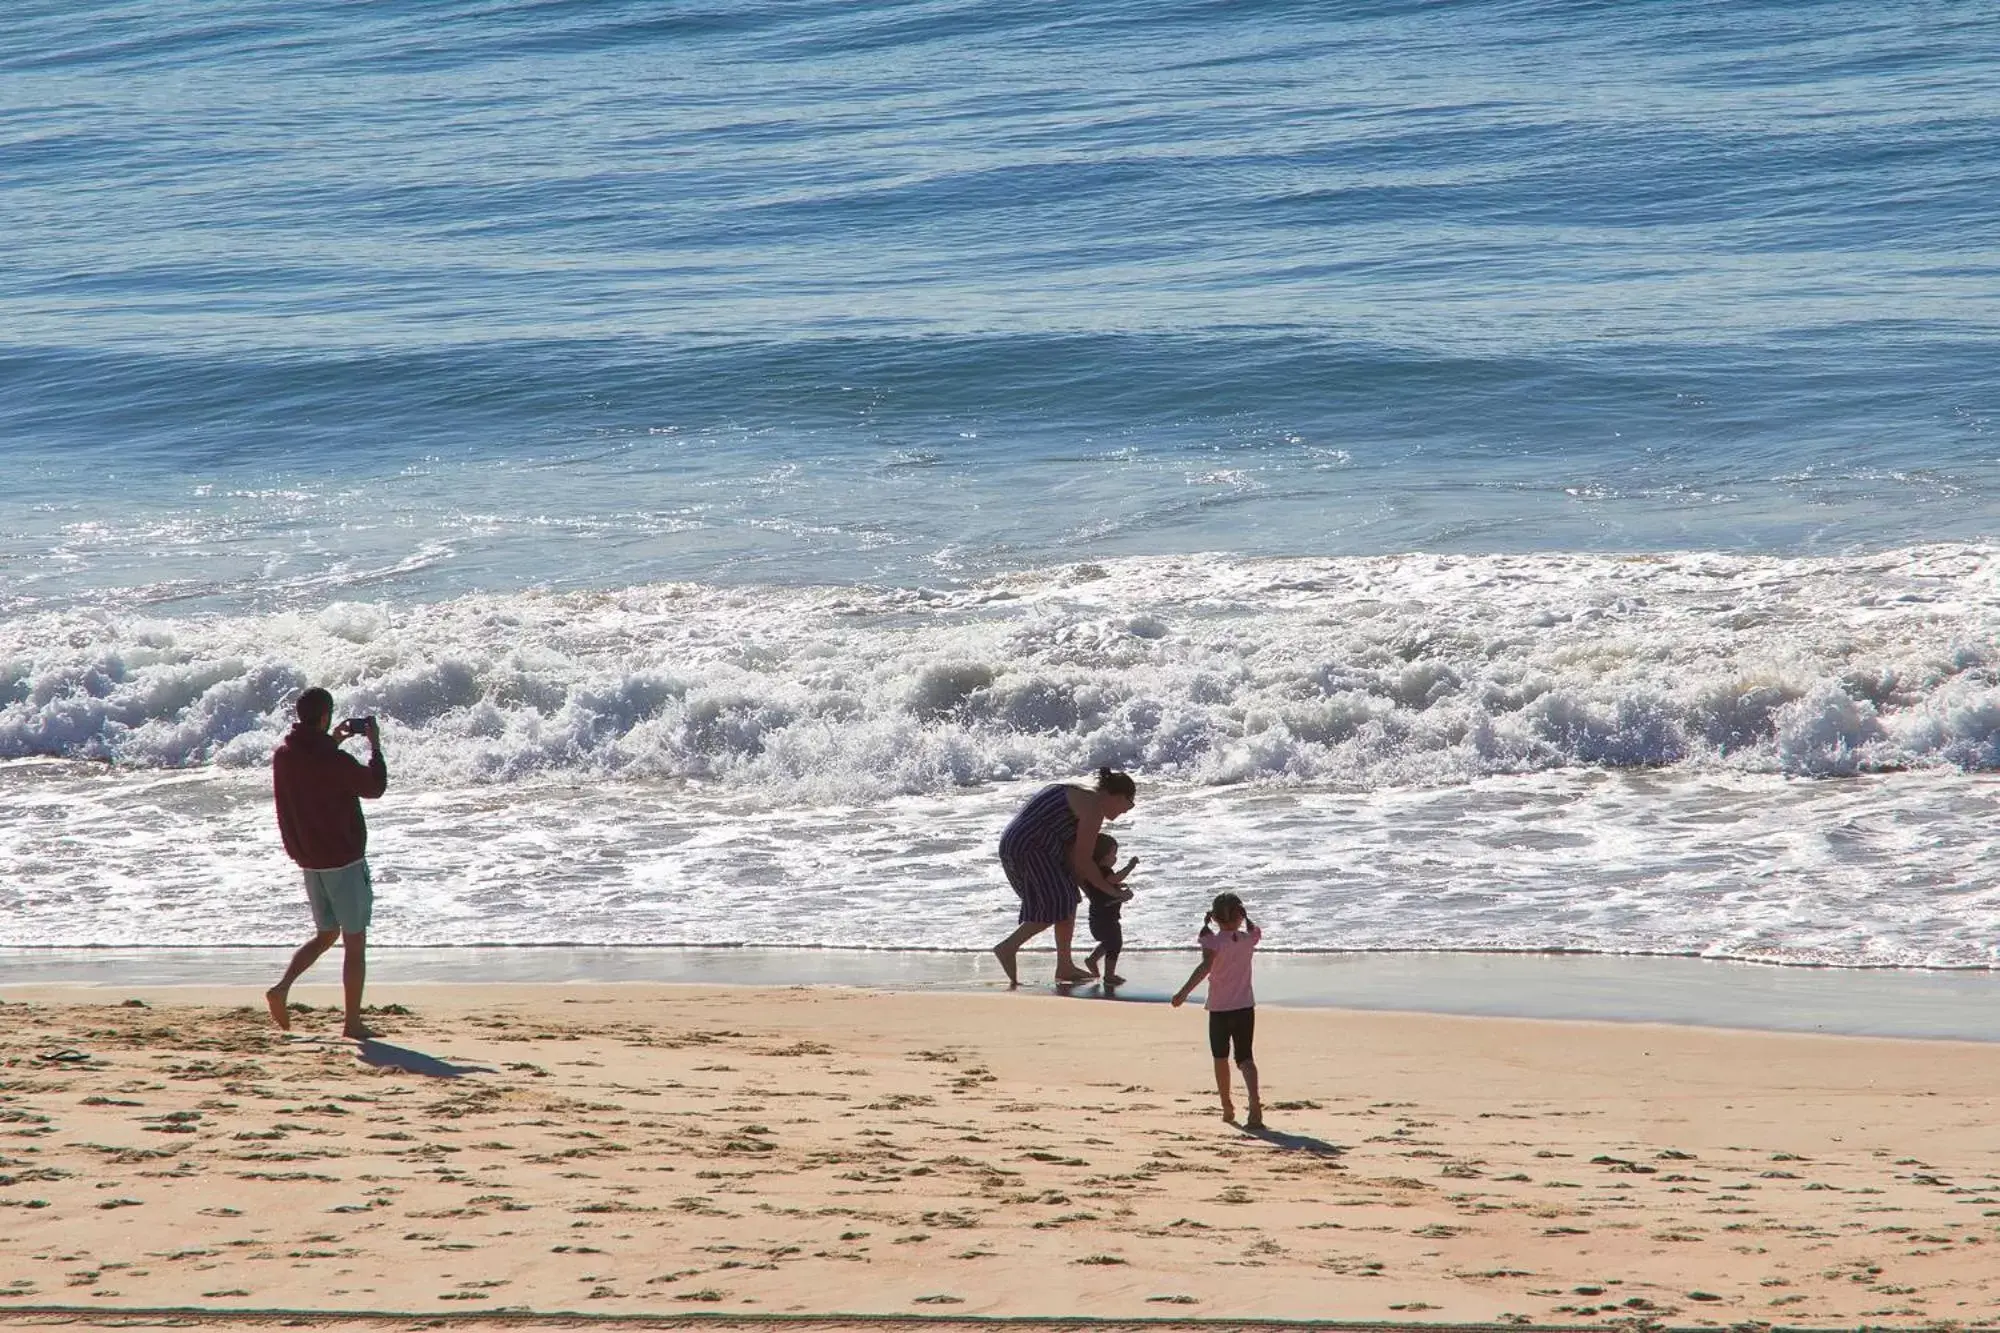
1118 784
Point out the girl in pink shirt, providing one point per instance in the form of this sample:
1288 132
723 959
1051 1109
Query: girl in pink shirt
1228 936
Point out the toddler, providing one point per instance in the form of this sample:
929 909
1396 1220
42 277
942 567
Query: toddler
1105 927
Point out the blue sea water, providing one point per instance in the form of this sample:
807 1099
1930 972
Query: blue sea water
1507 475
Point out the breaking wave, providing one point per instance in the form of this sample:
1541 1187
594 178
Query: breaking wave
1364 672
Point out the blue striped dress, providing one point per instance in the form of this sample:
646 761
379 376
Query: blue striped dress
1035 850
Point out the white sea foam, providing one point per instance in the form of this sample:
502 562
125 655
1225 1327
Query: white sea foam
1614 754
1365 673
1891 870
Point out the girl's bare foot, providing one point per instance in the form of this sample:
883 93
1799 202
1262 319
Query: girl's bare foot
1256 1118
1113 979
1090 965
279 1014
1228 1113
358 1032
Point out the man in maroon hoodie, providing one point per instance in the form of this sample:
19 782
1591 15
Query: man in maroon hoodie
319 789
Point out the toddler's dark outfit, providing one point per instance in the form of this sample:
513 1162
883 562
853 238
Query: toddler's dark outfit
1105 927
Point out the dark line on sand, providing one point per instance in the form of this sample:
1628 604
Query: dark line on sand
695 1319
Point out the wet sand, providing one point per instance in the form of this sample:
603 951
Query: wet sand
1871 1002
646 1150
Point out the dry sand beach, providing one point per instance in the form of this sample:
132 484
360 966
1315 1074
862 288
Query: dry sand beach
675 1150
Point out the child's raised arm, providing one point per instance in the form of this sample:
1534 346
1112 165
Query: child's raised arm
1194 978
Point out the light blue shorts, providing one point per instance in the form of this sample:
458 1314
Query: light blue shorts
342 899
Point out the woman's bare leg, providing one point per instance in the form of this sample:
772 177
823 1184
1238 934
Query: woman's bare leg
1007 949
1066 968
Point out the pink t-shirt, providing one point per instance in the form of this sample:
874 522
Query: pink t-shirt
1229 967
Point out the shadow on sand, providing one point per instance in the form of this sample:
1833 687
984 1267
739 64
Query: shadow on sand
1095 989
1304 1143
383 1055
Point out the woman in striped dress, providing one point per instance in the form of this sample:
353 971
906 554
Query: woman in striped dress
1046 851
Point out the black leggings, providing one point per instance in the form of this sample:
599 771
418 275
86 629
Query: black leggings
1232 1025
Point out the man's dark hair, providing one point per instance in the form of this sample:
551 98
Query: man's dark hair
315 706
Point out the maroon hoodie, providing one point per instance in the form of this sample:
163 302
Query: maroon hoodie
319 787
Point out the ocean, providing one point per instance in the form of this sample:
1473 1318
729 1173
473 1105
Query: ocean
1502 476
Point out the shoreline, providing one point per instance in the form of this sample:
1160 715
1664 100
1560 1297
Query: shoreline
1954 1005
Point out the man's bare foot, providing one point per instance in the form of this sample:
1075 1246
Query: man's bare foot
1255 1120
280 1015
359 1032
1007 961
1228 1113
